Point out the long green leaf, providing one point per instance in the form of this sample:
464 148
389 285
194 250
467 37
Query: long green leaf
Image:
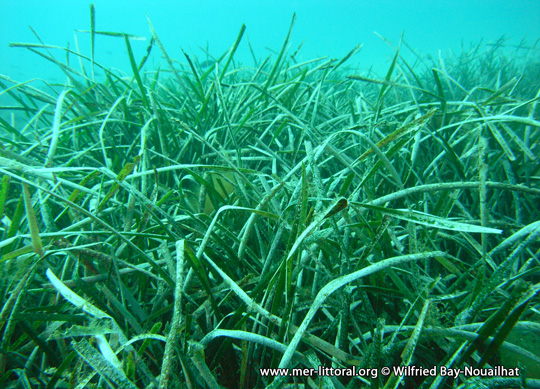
32 221
429 220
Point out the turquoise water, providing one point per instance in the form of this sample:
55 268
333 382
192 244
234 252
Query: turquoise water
326 28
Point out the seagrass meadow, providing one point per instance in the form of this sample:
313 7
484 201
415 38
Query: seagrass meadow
187 226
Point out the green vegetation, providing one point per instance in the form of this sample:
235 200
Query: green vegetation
184 227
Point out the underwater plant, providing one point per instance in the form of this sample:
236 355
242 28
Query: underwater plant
197 225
